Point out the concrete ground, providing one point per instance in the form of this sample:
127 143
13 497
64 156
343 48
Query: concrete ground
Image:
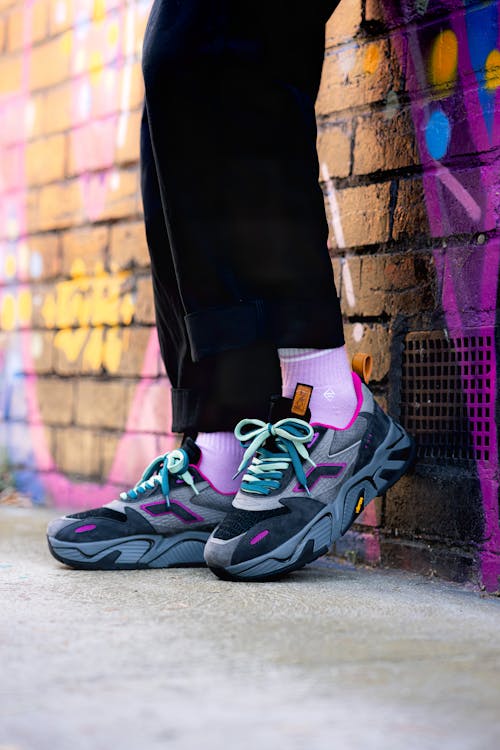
332 657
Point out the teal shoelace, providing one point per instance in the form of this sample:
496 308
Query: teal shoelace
266 469
158 473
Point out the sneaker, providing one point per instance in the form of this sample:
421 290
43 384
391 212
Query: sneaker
163 522
305 486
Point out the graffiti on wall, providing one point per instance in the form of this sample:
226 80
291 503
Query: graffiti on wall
452 70
89 312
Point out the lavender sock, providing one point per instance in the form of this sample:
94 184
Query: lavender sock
334 399
221 455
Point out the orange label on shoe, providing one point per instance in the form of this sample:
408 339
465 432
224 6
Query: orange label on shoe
301 399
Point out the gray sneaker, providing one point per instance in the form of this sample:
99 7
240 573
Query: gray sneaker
163 522
305 486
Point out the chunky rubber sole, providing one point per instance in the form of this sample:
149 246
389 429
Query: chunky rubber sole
390 461
133 552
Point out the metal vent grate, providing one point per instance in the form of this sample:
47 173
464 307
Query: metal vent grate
447 400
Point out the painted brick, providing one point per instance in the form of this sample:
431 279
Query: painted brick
38 25
334 150
40 345
128 246
84 250
357 75
144 310
364 214
56 400
92 146
50 62
344 23
384 143
45 160
101 403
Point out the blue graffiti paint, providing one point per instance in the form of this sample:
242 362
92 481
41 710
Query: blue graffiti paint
437 134
482 36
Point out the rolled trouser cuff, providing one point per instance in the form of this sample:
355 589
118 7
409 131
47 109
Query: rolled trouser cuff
315 323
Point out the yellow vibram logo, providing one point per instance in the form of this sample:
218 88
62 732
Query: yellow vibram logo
359 504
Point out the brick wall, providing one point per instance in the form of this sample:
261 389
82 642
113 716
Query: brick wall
82 386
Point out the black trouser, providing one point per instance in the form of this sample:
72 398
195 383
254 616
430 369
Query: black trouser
234 214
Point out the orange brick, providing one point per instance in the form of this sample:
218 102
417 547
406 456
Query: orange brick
50 62
61 15
128 247
135 342
410 215
144 310
45 160
3 33
390 284
101 403
56 109
334 150
136 97
85 247
128 137
55 400
40 345
19 17
78 451
357 76
121 194
344 23
11 68
364 214
109 442
59 205
382 145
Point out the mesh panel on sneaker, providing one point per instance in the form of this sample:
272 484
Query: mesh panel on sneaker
239 521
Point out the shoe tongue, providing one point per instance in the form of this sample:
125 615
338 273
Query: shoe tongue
192 450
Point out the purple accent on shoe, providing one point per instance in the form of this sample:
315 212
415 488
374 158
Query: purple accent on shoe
315 437
259 536
88 527
192 516
212 485
321 475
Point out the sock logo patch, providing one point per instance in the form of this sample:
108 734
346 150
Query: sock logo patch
301 399
329 394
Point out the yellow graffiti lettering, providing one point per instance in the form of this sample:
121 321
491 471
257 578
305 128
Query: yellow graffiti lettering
71 342
8 312
82 307
24 306
359 504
